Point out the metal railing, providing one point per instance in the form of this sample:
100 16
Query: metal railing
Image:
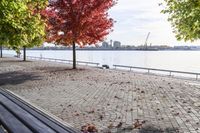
117 66
64 61
160 70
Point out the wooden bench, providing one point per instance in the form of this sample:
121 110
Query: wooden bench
18 116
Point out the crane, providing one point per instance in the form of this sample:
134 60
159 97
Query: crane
145 44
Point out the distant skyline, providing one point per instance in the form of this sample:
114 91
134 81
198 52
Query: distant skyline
135 18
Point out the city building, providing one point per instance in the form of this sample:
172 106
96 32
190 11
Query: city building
105 44
116 44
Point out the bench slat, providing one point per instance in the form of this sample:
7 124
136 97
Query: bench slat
10 122
58 127
30 121
2 131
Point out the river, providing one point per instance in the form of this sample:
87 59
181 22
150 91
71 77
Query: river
173 60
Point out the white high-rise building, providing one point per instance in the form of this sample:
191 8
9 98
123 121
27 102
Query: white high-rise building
116 44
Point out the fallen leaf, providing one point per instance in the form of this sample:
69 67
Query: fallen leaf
119 125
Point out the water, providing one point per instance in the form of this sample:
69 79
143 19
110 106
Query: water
173 60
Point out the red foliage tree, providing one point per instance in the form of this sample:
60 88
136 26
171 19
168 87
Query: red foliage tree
81 22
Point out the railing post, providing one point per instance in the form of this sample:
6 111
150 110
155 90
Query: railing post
148 71
197 77
170 73
130 68
1 56
24 47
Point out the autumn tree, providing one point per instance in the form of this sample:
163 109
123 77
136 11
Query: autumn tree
21 24
184 16
81 22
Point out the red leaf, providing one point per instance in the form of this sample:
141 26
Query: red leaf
81 21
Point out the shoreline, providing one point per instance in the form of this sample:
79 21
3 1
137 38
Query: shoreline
185 75
110 99
142 50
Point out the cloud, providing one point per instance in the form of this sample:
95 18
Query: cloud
135 18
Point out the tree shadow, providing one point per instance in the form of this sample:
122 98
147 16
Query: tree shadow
146 129
59 69
14 78
14 61
151 129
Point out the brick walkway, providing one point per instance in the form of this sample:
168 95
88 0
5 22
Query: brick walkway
156 106
114 101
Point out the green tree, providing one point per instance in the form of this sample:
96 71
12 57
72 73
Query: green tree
184 16
21 24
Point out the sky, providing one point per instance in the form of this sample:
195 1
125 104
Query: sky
135 18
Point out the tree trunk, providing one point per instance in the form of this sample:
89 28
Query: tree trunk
74 55
1 51
24 53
